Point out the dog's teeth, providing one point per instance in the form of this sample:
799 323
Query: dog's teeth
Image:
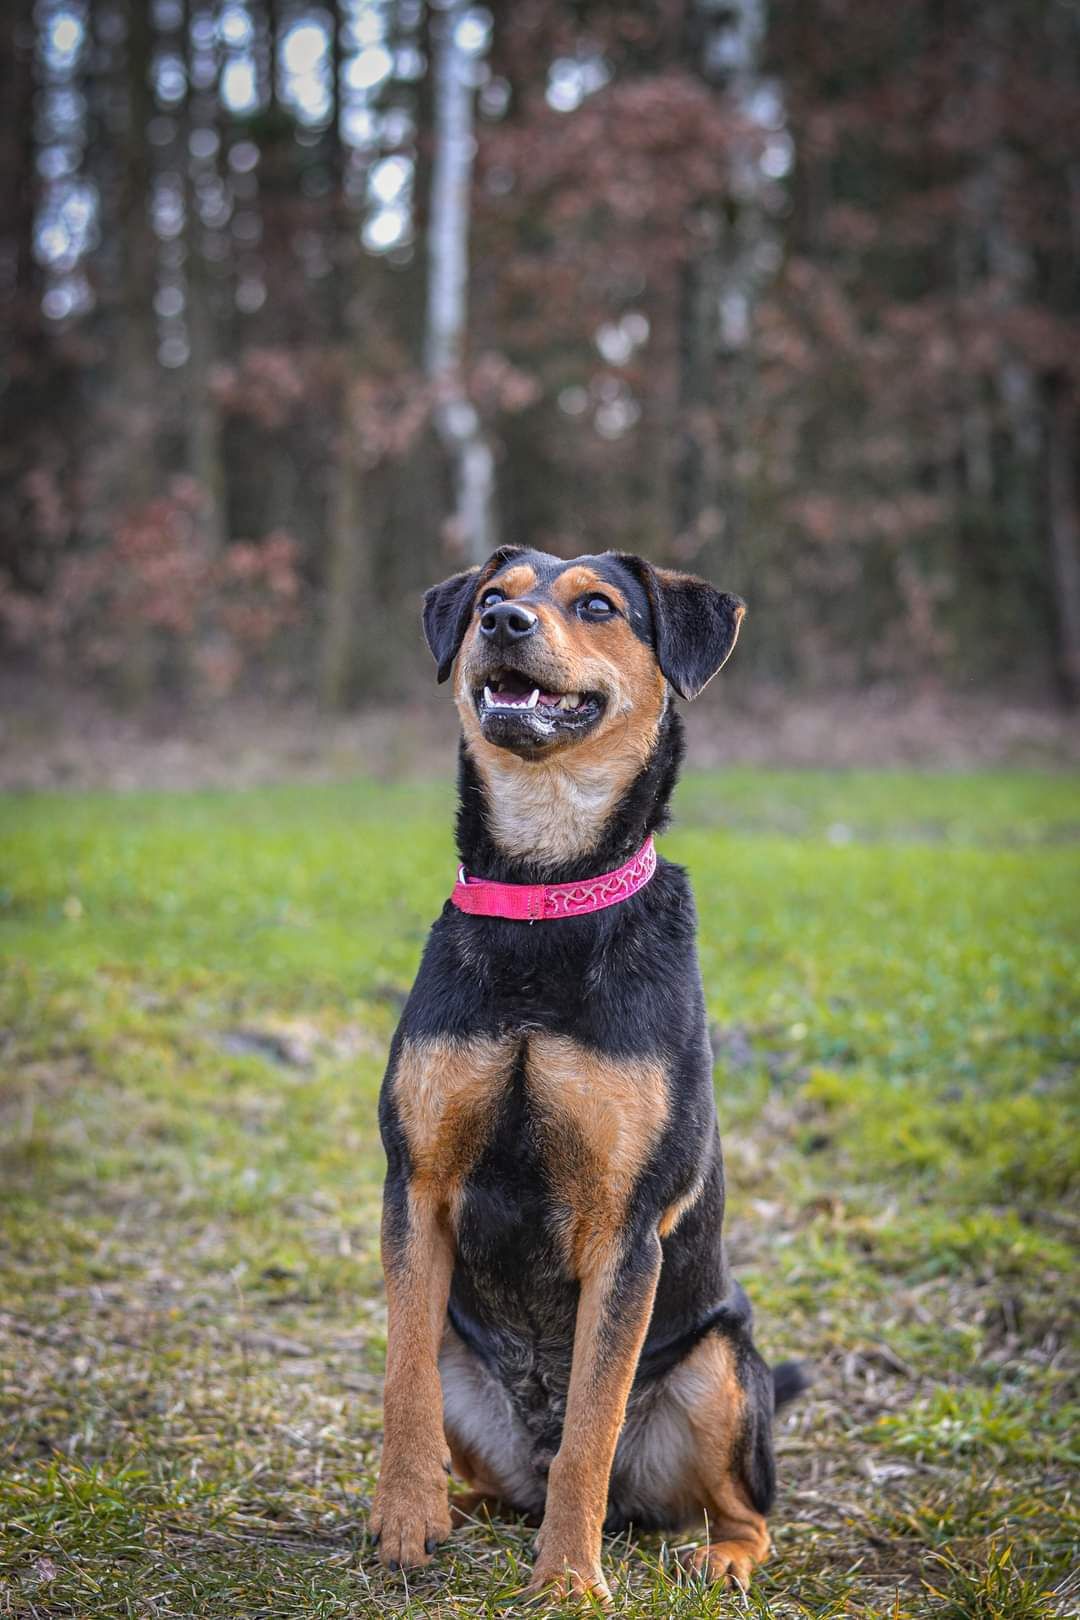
489 701
570 700
533 698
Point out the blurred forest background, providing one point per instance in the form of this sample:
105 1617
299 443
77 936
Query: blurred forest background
305 306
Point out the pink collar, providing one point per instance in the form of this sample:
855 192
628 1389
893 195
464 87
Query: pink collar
546 902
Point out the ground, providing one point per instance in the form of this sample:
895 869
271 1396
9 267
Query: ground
197 996
54 735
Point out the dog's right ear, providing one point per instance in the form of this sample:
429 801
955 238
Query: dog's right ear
448 608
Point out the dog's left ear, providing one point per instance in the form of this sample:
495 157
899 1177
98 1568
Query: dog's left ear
448 608
696 625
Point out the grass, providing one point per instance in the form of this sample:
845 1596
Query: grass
196 998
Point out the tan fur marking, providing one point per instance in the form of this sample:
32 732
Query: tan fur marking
468 1506
515 581
574 582
674 1213
483 1493
547 811
445 1090
708 1388
602 1117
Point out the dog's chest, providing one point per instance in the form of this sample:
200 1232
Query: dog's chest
535 1115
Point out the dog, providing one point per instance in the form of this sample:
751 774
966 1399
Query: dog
564 1333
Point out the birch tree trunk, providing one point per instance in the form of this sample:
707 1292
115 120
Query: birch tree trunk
720 285
456 419
345 657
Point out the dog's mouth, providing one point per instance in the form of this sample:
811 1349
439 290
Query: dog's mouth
515 711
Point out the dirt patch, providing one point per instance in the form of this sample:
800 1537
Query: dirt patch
55 738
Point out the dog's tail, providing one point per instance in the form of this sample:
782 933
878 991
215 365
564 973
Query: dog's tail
789 1379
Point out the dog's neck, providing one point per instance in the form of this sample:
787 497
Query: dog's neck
520 822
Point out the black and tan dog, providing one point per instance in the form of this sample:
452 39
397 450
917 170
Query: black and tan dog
564 1331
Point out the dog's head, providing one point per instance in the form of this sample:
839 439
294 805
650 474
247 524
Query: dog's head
552 654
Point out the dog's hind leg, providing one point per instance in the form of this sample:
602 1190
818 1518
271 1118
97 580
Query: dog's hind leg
484 1497
726 1391
491 1451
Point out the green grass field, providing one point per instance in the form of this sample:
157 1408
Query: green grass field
196 999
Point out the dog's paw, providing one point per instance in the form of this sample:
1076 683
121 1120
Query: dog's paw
409 1517
727 1561
566 1579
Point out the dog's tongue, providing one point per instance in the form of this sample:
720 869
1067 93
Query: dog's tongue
510 687
514 686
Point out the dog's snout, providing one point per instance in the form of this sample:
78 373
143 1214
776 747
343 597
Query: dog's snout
506 622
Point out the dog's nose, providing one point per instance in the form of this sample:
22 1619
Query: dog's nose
505 622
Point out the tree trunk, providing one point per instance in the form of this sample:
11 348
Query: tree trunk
1063 448
699 474
269 53
24 363
347 585
17 152
456 419
140 269
205 453
719 291
137 377
347 582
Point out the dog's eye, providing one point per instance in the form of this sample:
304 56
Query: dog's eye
489 599
596 607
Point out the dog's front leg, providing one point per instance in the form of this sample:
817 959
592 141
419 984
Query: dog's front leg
411 1513
617 1290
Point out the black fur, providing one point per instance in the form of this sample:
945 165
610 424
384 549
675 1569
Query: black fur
624 981
696 625
790 1380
